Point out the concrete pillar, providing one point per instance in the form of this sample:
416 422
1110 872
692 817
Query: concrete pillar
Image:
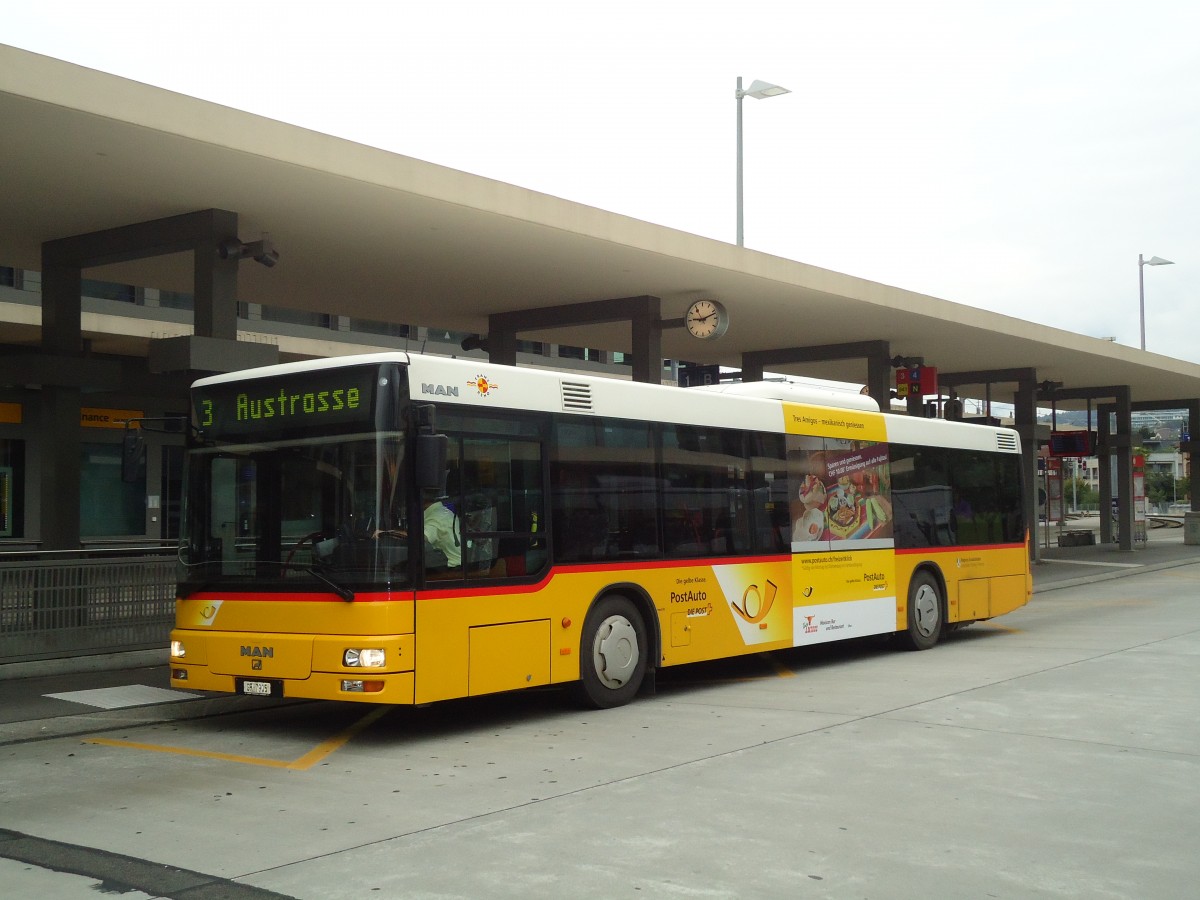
60 487
1104 472
880 375
646 323
62 337
62 302
752 367
502 344
1191 519
1123 443
1025 419
215 280
1193 420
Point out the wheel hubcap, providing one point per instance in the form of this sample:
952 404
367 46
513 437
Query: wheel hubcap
615 653
926 610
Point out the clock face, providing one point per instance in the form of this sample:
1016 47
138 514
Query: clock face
706 319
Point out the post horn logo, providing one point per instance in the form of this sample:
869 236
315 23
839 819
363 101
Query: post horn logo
754 608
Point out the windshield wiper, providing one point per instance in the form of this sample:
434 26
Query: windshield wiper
187 587
340 589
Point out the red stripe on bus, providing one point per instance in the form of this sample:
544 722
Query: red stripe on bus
313 597
570 569
965 548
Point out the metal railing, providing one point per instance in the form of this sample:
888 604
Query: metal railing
56 605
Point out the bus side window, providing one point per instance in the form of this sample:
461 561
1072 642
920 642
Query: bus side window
771 512
704 491
501 508
605 497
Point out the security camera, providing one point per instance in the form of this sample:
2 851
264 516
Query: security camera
263 251
475 342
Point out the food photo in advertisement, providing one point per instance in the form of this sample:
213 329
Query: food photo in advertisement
841 492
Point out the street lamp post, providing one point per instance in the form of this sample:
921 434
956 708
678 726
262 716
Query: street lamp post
759 90
1142 263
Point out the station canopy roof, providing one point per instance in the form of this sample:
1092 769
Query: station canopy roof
371 234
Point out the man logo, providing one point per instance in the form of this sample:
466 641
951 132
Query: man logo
483 384
256 664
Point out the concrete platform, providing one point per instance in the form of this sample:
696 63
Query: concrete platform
1054 752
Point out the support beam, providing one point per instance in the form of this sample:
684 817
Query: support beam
1193 409
987 376
214 278
644 315
1025 419
1115 453
64 363
878 355
1123 444
1113 447
880 377
1104 470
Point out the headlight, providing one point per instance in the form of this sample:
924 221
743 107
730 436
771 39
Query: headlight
366 658
178 651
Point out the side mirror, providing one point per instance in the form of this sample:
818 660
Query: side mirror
133 451
432 452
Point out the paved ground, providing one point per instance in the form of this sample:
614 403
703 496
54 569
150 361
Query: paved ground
1063 566
1054 752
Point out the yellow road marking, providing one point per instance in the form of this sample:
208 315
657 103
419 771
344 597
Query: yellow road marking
990 627
322 750
780 669
307 761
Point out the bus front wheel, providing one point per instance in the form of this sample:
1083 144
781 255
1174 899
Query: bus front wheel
925 612
612 657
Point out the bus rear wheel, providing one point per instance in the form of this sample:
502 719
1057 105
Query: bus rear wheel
612 654
926 616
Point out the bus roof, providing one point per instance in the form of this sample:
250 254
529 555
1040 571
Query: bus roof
752 405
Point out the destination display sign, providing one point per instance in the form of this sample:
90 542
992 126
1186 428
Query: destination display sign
301 402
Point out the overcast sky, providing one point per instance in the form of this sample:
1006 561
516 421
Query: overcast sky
1014 156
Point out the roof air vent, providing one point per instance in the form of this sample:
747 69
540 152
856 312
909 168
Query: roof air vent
576 397
1006 442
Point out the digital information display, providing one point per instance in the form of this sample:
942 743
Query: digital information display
305 401
1072 443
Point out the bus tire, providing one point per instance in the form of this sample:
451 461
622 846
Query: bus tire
926 612
612 654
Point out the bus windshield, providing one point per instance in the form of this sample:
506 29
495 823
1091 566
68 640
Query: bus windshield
328 511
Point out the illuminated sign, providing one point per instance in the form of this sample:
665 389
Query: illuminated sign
1071 443
10 413
918 381
91 417
304 401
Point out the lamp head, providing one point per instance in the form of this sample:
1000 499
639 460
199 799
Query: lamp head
760 90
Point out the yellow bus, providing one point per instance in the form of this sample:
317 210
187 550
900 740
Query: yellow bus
404 529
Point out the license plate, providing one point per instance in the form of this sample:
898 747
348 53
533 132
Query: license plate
257 688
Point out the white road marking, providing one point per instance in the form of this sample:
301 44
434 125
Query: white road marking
121 697
1083 562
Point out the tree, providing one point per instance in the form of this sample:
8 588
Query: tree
1160 487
